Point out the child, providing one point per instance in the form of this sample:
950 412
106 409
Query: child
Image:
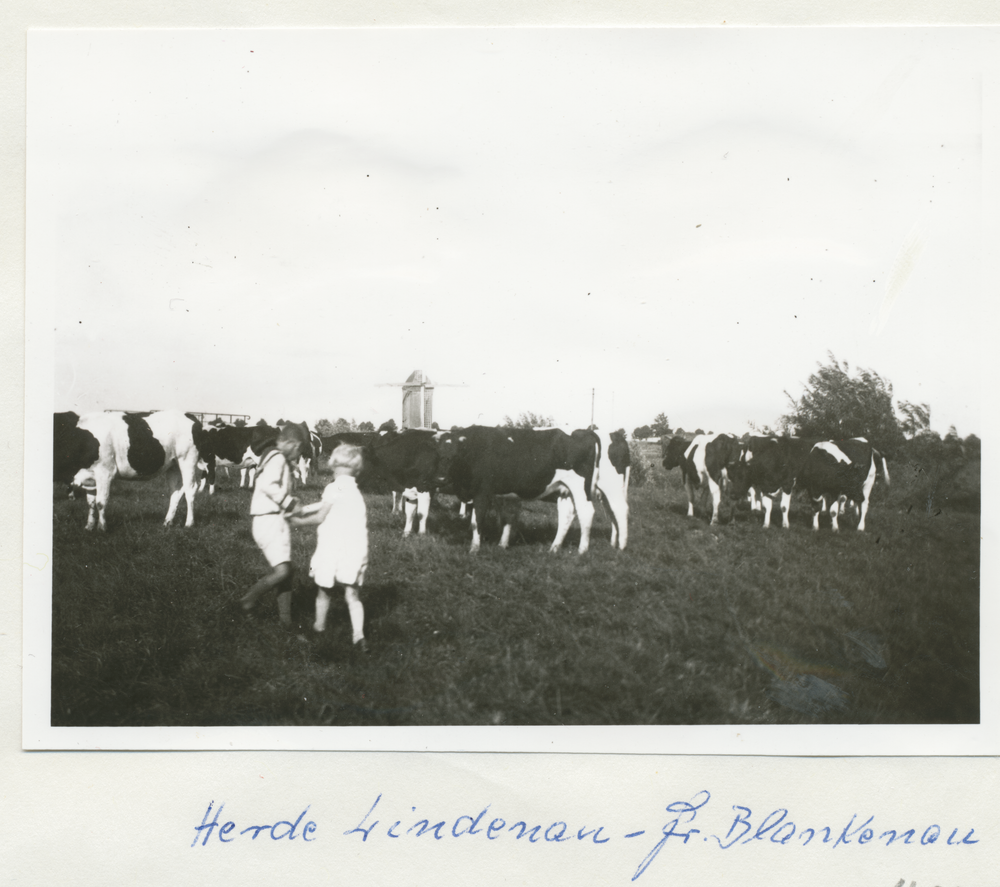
341 556
270 507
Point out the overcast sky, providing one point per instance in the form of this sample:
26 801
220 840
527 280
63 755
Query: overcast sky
684 221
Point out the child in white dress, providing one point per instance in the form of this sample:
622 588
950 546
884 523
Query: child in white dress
341 556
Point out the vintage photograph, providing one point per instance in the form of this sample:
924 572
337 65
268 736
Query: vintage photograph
509 377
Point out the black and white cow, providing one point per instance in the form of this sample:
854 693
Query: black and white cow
407 461
611 475
840 471
768 467
239 446
703 460
92 450
479 463
620 458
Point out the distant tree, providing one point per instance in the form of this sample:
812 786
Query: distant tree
389 425
660 426
528 420
240 423
435 426
324 428
642 432
262 422
916 418
973 447
698 431
838 404
366 426
341 426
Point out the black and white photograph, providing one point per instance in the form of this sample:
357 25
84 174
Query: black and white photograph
494 378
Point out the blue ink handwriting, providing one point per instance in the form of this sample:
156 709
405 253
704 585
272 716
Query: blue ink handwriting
279 831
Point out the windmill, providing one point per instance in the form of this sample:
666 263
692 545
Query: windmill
418 398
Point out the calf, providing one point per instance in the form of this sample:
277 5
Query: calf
703 460
841 470
478 464
92 450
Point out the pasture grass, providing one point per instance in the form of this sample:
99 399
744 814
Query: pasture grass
691 625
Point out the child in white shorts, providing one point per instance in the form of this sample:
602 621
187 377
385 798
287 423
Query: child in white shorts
341 556
270 507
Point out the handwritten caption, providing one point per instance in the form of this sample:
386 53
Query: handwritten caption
740 826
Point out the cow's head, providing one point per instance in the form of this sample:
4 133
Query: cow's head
673 451
448 445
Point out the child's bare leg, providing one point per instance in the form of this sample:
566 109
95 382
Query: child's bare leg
357 612
322 608
280 574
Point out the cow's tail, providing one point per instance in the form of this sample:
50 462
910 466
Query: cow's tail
885 466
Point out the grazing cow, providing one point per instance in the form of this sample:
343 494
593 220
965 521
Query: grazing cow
841 470
90 451
611 480
356 438
705 459
480 463
408 462
768 467
229 446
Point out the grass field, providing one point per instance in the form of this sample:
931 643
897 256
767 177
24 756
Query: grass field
691 625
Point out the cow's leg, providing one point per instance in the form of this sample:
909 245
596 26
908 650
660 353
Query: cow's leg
617 502
408 499
584 511
866 492
716 490
188 468
423 509
689 487
461 509
176 487
817 508
398 503
566 511
585 514
768 504
786 503
479 506
756 499
510 511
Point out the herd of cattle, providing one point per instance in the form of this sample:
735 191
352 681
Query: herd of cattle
481 465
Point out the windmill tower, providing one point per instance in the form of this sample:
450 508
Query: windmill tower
418 399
